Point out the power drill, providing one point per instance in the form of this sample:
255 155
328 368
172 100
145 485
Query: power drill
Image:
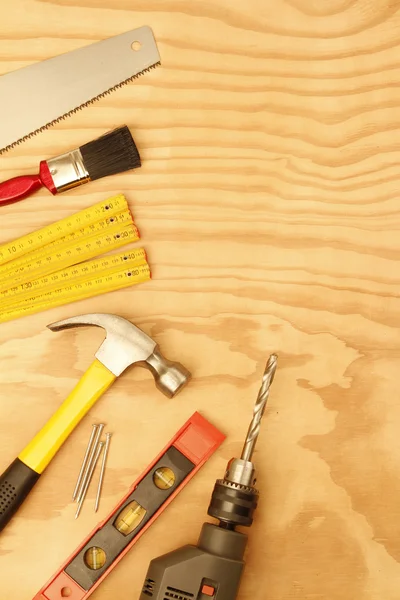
212 569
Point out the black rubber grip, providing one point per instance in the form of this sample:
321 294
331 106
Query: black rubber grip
15 484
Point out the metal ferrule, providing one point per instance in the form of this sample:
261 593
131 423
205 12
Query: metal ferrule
68 170
241 472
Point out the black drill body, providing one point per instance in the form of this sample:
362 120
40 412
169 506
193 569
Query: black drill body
185 573
212 569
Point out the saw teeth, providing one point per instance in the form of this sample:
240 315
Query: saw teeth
74 110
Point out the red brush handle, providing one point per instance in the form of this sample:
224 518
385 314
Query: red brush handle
18 188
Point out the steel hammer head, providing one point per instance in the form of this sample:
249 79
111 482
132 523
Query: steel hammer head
127 345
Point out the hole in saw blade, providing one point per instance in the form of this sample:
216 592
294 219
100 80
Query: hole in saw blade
136 46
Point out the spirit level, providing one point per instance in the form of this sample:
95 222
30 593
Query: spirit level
148 497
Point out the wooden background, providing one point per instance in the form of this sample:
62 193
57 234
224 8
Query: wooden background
268 204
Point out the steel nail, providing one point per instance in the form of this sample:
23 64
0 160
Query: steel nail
91 459
85 461
89 479
103 467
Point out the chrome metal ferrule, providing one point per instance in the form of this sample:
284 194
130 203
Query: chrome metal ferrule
68 170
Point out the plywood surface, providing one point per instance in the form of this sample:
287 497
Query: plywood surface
268 202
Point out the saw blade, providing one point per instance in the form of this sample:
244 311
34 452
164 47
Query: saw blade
35 97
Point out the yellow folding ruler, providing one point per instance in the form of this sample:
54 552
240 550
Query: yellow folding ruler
72 253
38 239
51 266
86 271
105 281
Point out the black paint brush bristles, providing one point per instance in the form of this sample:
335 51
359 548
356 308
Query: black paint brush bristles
112 153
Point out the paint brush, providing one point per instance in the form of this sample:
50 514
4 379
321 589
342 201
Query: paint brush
112 153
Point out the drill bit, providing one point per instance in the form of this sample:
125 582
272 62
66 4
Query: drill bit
259 408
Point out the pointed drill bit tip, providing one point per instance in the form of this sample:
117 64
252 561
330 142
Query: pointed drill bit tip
270 368
273 357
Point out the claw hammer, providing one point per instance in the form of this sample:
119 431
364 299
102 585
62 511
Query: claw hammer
124 345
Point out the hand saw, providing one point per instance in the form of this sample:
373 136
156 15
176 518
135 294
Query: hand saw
35 97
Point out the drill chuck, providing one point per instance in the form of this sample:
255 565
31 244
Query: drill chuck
233 504
234 498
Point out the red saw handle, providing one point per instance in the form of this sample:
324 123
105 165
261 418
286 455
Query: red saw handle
18 188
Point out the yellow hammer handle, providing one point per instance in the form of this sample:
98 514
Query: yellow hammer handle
39 452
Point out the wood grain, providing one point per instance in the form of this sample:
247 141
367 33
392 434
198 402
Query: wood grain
268 204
